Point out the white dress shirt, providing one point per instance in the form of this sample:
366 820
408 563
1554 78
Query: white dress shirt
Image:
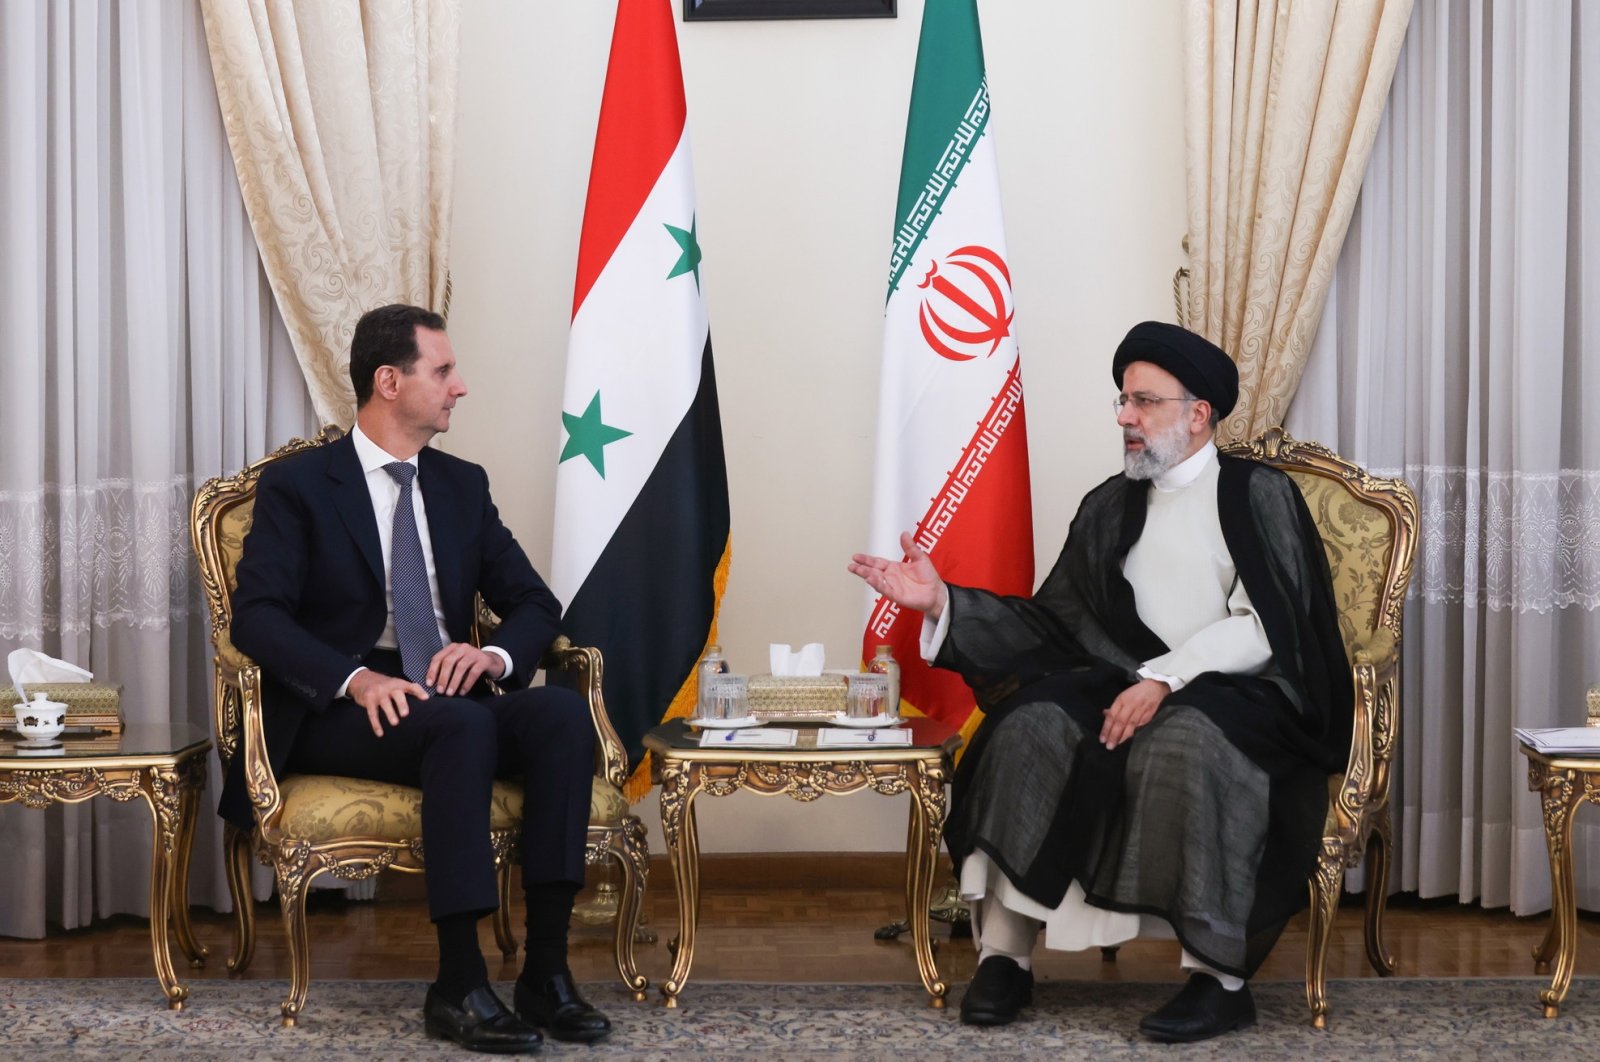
385 494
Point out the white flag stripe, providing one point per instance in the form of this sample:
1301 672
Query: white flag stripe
632 327
925 396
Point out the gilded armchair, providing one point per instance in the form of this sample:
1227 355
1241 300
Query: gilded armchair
308 825
1369 528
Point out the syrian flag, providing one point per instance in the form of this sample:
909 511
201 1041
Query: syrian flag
640 554
952 450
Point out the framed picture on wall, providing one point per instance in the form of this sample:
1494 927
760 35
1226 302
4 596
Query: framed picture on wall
712 10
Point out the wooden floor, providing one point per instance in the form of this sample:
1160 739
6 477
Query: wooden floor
760 925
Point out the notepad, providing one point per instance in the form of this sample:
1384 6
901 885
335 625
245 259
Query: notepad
1561 740
756 737
838 737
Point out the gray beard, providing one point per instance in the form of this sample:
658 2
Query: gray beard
1160 453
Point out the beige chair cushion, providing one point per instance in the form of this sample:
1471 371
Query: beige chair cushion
319 808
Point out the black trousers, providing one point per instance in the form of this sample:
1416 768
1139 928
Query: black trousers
453 748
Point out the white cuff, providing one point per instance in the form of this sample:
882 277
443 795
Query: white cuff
1171 680
933 633
344 689
505 658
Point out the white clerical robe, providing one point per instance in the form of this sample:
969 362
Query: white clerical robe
1189 594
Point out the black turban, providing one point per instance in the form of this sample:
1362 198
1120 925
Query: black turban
1199 364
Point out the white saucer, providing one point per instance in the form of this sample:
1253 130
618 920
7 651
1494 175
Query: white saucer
840 719
725 724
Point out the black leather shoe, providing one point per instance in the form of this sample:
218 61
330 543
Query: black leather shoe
1203 1009
998 992
481 1023
556 1007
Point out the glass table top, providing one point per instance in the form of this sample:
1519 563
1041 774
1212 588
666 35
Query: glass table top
677 735
90 743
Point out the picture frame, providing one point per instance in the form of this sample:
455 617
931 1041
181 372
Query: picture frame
724 10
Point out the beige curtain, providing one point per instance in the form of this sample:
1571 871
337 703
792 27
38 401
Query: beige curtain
1284 98
340 116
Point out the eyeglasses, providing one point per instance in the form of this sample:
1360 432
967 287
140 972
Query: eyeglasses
1142 402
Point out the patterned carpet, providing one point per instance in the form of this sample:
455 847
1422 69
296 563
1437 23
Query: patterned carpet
1397 1018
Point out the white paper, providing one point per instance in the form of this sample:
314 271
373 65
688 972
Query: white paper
756 737
783 661
836 737
1577 740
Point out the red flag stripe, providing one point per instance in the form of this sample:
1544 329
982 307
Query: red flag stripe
642 114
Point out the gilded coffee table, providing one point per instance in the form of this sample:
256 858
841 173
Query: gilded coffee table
165 765
805 773
1564 783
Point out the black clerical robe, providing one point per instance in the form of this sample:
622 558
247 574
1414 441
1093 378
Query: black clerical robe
1210 817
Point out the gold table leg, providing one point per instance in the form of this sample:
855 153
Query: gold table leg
1560 800
191 781
161 790
679 783
922 857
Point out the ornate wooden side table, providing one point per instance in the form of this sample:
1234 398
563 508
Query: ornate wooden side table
1564 783
805 773
165 765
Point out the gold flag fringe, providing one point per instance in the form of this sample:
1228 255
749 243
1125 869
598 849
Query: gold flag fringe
638 785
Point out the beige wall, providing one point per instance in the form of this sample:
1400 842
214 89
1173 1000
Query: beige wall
797 131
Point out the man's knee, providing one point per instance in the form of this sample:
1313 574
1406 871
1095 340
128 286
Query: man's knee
457 718
555 717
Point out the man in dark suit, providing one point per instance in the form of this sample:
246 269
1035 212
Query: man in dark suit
356 595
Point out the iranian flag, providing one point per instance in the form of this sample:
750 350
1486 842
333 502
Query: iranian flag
952 449
641 546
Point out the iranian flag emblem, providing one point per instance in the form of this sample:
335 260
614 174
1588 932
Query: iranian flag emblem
952 447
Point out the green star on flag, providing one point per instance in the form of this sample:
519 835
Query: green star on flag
689 260
589 436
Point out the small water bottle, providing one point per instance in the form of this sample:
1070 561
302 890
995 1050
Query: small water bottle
710 664
884 664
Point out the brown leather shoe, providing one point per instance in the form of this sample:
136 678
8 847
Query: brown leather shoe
556 1007
480 1023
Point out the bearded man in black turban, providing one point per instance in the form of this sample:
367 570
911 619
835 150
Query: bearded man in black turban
1161 715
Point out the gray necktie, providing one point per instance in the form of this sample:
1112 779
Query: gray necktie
415 626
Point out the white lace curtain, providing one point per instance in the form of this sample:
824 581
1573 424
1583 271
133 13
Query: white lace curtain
1459 348
141 355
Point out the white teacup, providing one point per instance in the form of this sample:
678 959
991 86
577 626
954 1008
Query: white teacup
39 719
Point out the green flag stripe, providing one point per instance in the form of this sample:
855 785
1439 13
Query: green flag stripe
936 185
949 95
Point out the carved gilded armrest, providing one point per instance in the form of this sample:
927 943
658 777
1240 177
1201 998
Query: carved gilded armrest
581 668
1379 649
1375 676
258 777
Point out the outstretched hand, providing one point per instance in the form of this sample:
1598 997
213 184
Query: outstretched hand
910 583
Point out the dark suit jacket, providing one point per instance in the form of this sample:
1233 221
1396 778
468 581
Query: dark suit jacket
310 602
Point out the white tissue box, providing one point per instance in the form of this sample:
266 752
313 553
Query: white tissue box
799 698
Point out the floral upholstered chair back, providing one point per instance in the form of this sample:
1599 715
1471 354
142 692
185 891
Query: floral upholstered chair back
1368 526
